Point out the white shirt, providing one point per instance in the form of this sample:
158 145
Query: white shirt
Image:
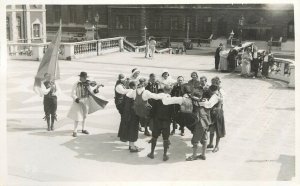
121 90
146 94
45 90
168 81
211 102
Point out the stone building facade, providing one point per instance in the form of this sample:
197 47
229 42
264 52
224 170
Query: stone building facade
260 21
26 23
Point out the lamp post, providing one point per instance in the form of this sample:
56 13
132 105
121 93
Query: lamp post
96 21
145 30
231 37
241 23
93 28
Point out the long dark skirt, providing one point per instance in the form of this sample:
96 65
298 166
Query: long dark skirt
129 126
217 116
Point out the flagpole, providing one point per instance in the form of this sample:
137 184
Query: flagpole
59 32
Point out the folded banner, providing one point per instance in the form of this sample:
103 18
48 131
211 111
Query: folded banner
49 63
95 103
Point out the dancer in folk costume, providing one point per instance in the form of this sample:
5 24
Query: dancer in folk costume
178 90
50 90
44 83
217 114
129 126
84 102
205 103
151 86
194 83
120 92
166 79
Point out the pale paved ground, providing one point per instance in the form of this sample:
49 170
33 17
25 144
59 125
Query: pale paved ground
259 114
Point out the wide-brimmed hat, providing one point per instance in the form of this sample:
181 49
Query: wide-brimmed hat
83 74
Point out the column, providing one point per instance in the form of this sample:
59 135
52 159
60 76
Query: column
28 25
14 28
14 24
143 23
44 31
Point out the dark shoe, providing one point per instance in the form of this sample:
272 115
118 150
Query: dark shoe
52 127
166 157
135 149
85 132
173 132
201 157
191 158
74 134
150 155
147 133
216 149
210 146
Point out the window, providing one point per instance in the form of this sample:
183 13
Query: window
157 23
19 27
88 12
207 27
7 28
174 23
57 13
126 22
189 21
72 11
36 30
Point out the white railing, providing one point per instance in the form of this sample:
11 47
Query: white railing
68 51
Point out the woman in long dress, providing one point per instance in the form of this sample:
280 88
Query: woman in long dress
129 126
223 60
246 62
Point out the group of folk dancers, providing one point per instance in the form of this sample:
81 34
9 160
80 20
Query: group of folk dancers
158 103
155 104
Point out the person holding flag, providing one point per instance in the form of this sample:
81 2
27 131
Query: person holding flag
44 83
50 91
85 102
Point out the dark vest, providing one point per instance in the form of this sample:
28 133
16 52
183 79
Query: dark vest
163 112
119 98
48 85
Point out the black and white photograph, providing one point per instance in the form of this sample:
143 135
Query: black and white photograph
160 93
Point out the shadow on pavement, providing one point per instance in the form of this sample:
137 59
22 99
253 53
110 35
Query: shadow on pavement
53 133
106 147
287 167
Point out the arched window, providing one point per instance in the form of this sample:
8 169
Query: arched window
19 27
36 30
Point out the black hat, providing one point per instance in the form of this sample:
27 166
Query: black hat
83 74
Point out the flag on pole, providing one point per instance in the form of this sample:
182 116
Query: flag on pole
49 63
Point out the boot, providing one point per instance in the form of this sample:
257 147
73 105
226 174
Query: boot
153 144
166 145
52 122
48 122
